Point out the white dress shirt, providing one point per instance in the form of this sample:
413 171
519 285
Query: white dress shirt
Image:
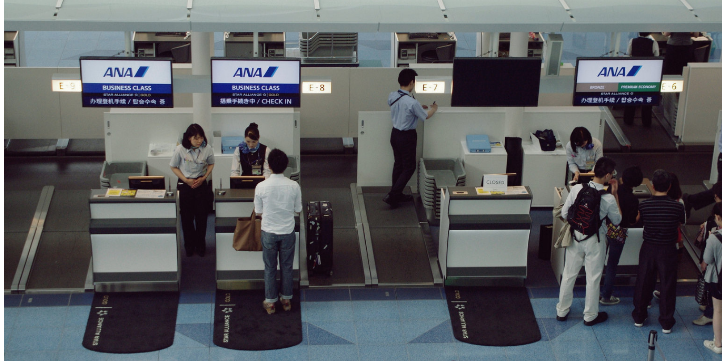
193 163
278 199
584 158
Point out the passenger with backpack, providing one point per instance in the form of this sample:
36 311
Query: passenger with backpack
587 208
711 265
661 217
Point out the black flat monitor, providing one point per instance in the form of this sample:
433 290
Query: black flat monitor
146 182
246 181
496 82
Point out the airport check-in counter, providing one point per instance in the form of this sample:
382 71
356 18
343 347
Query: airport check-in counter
134 243
484 239
628 261
241 269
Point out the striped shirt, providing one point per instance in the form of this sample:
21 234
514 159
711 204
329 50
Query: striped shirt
661 217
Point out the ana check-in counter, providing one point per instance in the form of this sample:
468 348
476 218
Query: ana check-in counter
484 239
629 259
134 243
241 269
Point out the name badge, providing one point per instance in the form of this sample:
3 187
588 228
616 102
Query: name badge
256 170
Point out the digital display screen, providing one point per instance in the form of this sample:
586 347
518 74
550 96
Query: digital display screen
617 81
255 83
126 82
496 82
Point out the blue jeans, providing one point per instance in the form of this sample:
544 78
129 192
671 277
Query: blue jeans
275 247
615 251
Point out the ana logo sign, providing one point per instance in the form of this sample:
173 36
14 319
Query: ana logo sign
125 72
619 71
255 72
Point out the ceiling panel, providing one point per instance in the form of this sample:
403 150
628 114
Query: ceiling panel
625 15
124 15
23 15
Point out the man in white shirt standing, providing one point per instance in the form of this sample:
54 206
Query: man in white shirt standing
590 252
278 200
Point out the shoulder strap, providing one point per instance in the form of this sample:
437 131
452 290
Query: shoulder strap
718 235
397 99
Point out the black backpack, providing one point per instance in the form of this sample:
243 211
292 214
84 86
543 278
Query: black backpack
583 215
547 140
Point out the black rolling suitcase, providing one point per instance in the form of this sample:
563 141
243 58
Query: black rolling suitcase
319 238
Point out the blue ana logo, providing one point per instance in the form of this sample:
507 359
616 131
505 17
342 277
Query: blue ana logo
125 72
619 71
255 72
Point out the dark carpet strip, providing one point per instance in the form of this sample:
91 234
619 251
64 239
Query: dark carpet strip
492 316
241 323
131 322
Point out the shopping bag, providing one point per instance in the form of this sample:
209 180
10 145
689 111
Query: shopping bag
565 235
247 236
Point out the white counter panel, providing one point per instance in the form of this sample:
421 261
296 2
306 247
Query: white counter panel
234 209
542 171
489 206
228 259
132 210
478 164
113 253
488 248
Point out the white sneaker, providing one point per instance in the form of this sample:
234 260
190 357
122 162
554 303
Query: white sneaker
640 324
702 320
667 331
710 345
609 302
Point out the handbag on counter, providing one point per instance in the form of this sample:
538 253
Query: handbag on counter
247 236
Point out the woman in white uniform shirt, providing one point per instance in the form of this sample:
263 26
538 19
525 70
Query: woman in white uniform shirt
249 157
192 162
583 151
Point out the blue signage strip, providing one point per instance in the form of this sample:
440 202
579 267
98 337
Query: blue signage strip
128 88
255 88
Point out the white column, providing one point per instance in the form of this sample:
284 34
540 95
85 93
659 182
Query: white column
255 44
518 46
494 45
201 47
128 43
483 44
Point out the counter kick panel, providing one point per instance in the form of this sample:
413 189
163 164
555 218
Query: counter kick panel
133 210
62 261
234 209
119 253
400 255
490 248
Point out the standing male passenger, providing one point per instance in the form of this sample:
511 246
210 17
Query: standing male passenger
662 217
278 199
405 114
589 252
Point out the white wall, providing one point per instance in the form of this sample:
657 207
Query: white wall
701 104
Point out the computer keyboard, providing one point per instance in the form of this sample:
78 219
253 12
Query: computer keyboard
423 36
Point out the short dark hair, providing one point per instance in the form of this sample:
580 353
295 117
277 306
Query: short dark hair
717 209
277 161
604 166
193 130
406 76
717 189
675 191
252 132
661 181
632 176
579 135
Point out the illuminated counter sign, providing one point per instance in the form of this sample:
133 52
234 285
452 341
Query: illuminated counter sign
67 85
255 83
317 87
672 86
430 87
126 82
617 81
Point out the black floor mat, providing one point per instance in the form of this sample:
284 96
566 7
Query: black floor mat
131 322
241 323
492 316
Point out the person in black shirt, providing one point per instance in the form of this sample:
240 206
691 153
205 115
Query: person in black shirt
662 217
628 205
249 158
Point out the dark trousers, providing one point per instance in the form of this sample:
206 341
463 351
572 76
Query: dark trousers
403 142
615 251
194 208
630 111
653 260
703 199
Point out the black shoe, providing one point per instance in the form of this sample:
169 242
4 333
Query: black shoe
562 319
189 251
601 317
406 198
391 201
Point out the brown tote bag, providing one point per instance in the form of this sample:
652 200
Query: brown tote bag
247 236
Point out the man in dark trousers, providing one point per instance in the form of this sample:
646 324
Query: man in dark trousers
405 114
661 217
641 46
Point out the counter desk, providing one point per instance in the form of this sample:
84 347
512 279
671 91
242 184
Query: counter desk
242 269
629 260
134 243
484 239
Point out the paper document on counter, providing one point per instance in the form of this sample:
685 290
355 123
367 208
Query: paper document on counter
113 192
516 190
150 193
481 192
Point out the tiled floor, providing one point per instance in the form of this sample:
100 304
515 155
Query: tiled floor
361 324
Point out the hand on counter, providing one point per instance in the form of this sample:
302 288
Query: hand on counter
576 176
